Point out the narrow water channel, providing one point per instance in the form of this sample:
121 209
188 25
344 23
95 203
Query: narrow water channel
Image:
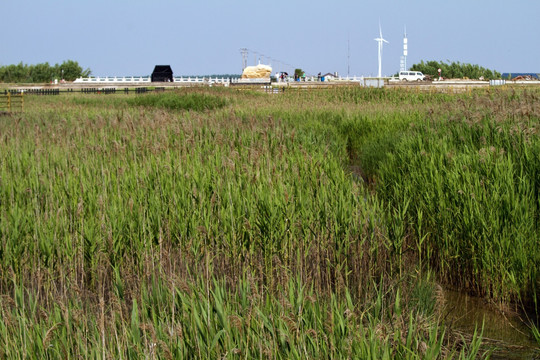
506 332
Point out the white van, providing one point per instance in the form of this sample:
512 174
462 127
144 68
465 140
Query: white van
411 76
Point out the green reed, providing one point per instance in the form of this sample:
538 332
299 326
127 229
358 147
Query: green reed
263 226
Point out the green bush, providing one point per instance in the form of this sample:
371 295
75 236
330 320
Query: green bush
23 73
455 70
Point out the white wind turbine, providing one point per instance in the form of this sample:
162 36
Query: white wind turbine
380 40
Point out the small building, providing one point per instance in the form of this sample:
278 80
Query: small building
329 76
162 73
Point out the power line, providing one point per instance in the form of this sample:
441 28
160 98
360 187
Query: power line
260 56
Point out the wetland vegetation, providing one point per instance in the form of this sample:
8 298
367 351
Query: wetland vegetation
218 223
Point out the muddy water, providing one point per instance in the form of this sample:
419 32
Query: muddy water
506 332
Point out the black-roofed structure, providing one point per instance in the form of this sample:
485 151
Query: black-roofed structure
162 73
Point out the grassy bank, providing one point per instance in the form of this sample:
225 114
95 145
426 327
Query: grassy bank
228 224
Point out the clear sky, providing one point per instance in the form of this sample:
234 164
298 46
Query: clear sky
129 37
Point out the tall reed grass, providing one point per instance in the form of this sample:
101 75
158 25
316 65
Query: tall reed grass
261 226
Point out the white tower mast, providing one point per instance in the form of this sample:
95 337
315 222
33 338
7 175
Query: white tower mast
405 49
380 40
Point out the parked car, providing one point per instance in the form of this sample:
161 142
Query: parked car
411 76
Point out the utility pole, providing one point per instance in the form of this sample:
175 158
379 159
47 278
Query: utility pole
348 54
244 53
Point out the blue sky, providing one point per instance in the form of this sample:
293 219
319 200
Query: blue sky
128 37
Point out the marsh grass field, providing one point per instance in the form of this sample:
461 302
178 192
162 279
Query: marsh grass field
217 223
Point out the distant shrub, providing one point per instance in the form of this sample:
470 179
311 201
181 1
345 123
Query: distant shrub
455 70
42 73
175 101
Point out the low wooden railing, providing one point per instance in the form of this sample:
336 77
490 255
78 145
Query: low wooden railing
11 103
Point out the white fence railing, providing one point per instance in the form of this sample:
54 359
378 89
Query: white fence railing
207 80
326 79
203 80
497 82
114 79
147 79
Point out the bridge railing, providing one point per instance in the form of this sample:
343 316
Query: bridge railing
326 79
147 79
114 79
206 80
203 79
